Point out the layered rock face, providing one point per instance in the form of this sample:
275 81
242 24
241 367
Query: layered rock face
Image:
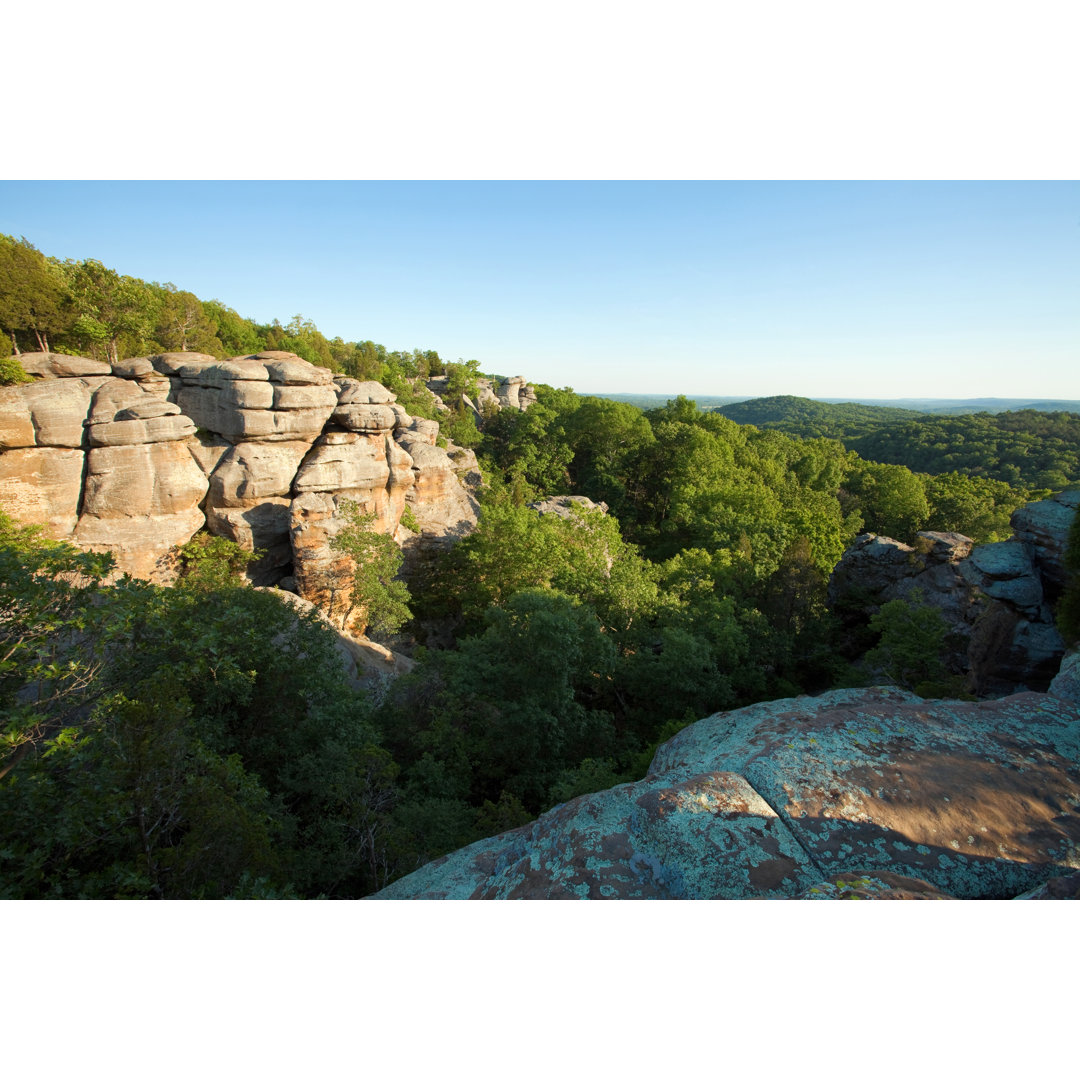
875 793
263 449
995 598
100 458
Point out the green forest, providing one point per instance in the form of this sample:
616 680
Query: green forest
201 741
1025 446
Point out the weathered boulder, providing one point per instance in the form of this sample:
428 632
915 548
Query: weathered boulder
248 501
140 502
123 414
141 369
265 397
367 392
369 419
515 393
974 800
49 412
1066 683
249 472
1044 528
443 508
50 365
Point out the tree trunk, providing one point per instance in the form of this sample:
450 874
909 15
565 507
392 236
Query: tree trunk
15 344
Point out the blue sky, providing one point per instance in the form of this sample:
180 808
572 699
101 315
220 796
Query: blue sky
861 289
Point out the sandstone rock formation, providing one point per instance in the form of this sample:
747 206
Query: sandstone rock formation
874 791
508 393
995 598
263 449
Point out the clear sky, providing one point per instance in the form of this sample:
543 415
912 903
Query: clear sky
822 289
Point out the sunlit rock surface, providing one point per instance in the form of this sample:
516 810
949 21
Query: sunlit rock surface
136 457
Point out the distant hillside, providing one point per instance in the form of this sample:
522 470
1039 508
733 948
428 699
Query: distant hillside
705 402
806 417
1028 446
960 406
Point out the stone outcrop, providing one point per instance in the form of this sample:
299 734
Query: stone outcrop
856 791
567 507
507 393
263 449
102 460
995 598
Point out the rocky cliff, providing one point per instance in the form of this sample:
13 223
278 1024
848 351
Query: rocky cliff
996 599
136 457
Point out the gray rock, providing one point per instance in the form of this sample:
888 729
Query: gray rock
49 365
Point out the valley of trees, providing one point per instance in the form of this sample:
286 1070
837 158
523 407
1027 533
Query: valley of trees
202 741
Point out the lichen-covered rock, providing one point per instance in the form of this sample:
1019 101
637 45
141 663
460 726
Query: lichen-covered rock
976 800
1066 683
709 836
1066 887
1044 528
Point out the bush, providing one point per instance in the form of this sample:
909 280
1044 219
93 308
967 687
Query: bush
12 372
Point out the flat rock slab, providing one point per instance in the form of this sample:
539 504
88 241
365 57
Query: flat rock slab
705 837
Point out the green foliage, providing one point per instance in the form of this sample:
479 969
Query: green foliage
383 601
910 646
55 628
12 372
973 505
463 378
890 498
408 520
178 742
461 428
34 302
1026 447
209 562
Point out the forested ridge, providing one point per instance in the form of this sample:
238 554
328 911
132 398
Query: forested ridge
1025 446
202 741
